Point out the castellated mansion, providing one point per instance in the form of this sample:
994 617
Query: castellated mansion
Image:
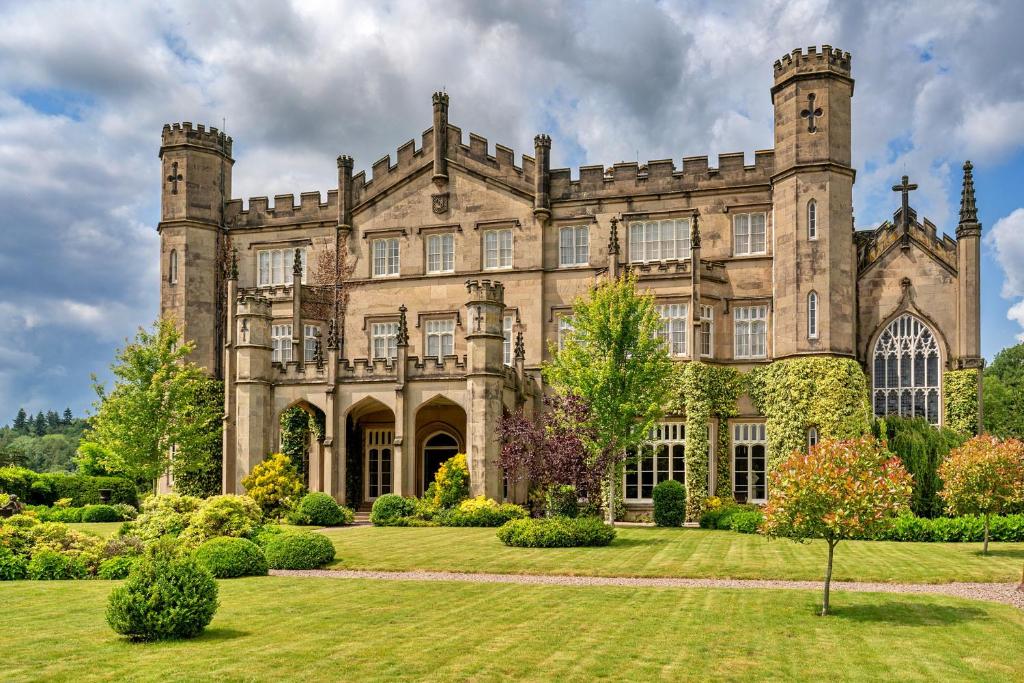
459 265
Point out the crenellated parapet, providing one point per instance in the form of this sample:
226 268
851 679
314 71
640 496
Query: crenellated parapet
661 175
485 291
812 61
872 244
179 134
258 211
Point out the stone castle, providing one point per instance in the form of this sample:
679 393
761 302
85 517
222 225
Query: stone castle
451 271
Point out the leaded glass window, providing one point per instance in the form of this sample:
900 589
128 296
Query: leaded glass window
906 379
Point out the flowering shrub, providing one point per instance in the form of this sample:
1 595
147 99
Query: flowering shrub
451 484
481 511
80 547
983 477
840 490
274 484
163 515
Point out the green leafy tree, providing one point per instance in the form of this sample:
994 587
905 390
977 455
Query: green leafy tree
614 360
840 490
1003 394
984 477
153 406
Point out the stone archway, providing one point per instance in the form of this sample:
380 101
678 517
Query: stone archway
302 427
440 434
370 457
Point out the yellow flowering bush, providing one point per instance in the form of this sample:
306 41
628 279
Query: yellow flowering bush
451 484
274 484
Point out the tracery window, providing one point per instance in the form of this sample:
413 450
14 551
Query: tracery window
906 379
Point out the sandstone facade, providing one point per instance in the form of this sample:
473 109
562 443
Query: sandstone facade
464 261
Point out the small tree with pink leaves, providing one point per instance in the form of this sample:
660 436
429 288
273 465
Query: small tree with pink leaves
839 490
985 476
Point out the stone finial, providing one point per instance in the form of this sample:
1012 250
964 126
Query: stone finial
233 266
297 265
402 337
318 350
613 238
695 231
345 161
520 347
968 206
332 334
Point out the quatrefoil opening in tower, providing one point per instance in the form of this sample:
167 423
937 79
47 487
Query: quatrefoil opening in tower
811 114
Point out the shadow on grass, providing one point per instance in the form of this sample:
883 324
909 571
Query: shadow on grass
1012 553
908 613
220 634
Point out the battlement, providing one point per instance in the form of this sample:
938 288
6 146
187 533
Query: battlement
184 134
249 304
486 291
829 59
661 175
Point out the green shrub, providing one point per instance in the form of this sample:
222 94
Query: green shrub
100 513
18 481
561 500
227 515
481 512
299 550
228 557
274 484
82 489
64 515
165 597
556 532
118 567
16 533
60 538
746 521
51 565
669 503
126 512
390 507
921 447
320 509
164 515
12 567
266 533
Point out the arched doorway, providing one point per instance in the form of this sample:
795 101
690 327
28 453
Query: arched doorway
440 434
303 426
436 449
371 451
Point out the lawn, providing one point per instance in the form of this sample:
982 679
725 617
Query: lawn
319 629
675 552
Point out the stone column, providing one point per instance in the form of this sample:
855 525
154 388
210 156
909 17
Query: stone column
399 464
298 342
334 447
485 384
440 135
694 332
254 408
228 430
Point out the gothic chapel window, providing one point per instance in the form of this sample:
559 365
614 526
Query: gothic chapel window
906 378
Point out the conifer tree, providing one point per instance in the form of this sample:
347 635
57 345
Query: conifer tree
68 417
21 421
40 424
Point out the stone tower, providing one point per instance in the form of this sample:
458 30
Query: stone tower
812 193
196 181
968 255
253 410
485 383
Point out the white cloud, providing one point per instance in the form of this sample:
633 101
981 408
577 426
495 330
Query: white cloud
1007 237
1016 313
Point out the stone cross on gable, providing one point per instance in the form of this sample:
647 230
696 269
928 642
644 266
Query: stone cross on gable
905 187
811 113
174 178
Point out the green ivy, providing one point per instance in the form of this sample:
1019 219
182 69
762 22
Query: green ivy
708 391
960 388
817 391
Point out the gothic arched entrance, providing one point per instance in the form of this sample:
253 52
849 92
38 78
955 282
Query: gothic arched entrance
436 449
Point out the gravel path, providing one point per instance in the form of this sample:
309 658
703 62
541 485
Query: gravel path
1005 593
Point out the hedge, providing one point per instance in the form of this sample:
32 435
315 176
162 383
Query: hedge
46 488
556 532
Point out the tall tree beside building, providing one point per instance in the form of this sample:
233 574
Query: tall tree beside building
1003 393
156 404
615 361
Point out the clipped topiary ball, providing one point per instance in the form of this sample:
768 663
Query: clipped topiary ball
390 507
227 557
299 550
320 509
164 598
669 503
100 513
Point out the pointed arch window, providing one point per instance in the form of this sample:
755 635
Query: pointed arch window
812 220
812 315
172 267
905 371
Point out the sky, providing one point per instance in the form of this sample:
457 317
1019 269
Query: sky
86 87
